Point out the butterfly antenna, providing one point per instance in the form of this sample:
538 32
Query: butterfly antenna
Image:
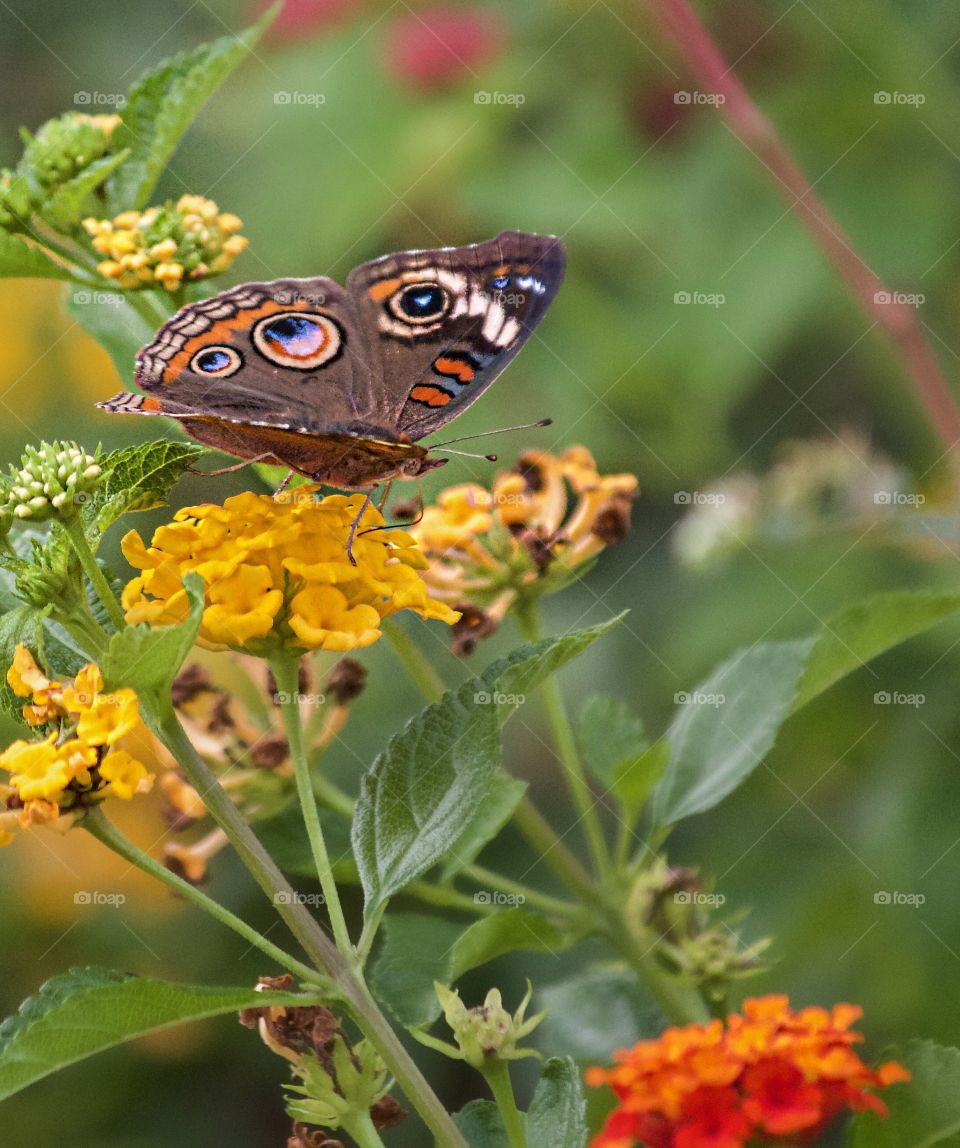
470 454
483 434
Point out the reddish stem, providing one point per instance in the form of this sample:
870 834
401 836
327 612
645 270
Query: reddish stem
898 319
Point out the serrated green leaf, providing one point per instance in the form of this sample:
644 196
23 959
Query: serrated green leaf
593 1013
511 930
435 777
146 659
22 260
117 327
138 478
66 206
922 1113
851 638
504 796
557 1113
482 1125
88 1010
725 727
163 104
416 951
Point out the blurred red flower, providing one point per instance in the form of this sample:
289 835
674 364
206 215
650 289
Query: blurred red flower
431 47
769 1075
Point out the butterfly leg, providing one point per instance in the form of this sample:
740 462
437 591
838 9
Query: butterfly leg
353 528
286 482
231 469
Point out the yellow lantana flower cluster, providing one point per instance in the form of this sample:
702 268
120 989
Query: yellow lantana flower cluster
80 761
540 522
187 240
277 574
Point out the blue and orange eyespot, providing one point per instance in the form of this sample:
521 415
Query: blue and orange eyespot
298 339
216 362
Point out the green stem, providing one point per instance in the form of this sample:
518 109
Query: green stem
286 671
415 662
97 825
98 580
263 868
552 851
497 1076
679 1001
528 622
490 879
362 1129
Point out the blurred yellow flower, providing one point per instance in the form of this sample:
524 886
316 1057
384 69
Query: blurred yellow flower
277 573
538 525
78 763
187 240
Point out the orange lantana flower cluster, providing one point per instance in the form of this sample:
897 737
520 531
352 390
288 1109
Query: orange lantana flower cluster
768 1075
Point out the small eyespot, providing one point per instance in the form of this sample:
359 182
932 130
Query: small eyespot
500 282
420 303
298 339
216 362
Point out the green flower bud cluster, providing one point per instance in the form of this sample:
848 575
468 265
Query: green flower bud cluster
484 1034
341 1098
63 147
53 481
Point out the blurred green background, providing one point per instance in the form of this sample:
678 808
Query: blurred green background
360 128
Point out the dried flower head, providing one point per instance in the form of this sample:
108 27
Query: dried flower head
191 239
277 574
763 1077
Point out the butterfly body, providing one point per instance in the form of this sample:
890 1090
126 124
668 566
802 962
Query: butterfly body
340 384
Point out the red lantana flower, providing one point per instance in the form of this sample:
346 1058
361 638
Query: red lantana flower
768 1074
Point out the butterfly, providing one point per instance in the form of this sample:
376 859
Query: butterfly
341 384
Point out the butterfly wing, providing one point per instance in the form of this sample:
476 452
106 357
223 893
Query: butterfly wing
439 326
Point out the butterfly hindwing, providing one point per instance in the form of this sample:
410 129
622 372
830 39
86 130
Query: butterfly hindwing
441 325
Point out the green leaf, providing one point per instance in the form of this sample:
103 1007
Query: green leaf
163 104
557 1114
66 206
88 1010
482 1126
436 776
284 836
923 1112
147 659
617 751
505 795
117 327
859 633
22 260
725 727
590 1015
138 478
416 951
512 930
21 624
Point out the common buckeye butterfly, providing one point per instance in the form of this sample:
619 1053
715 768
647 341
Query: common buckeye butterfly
341 384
